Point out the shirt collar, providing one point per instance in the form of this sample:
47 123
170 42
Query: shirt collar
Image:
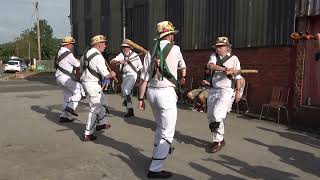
228 54
164 41
127 53
64 48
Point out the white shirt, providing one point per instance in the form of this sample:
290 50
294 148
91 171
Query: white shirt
174 61
219 78
136 62
67 63
97 64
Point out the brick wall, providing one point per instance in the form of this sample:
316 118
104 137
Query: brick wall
275 64
308 74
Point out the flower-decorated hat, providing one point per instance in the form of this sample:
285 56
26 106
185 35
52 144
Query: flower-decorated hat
124 44
164 28
222 41
67 40
98 39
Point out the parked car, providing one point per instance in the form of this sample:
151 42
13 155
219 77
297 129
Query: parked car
14 66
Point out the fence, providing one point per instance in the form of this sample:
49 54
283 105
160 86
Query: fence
45 65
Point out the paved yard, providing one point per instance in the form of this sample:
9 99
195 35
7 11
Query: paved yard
33 145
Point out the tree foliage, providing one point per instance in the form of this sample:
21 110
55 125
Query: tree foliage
49 44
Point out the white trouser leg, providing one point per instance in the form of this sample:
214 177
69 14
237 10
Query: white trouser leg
95 114
218 105
157 116
94 91
105 99
126 88
103 113
163 103
66 96
74 87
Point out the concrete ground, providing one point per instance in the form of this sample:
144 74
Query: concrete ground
33 145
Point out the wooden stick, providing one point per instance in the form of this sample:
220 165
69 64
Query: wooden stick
244 71
109 69
136 46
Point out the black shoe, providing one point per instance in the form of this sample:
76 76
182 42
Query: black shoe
130 113
71 111
89 137
124 103
64 120
161 174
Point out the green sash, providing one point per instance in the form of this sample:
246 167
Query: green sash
163 69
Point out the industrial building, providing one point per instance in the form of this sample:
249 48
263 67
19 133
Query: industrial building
259 31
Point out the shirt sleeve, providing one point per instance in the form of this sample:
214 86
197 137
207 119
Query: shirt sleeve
213 59
73 61
101 66
139 64
238 67
181 62
119 57
146 70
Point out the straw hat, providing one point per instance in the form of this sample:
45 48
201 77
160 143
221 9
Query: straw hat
164 28
124 44
222 41
67 40
98 39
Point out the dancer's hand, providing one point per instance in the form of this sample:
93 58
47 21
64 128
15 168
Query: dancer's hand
142 105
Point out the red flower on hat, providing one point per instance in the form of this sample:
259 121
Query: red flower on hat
164 29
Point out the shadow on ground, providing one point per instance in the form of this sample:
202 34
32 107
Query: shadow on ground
251 171
148 124
296 136
212 174
137 161
302 160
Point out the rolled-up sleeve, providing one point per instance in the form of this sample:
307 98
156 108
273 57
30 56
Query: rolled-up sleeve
75 62
213 59
119 57
238 67
101 66
181 62
146 69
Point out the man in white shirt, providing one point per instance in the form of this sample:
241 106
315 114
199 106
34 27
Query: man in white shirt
160 75
94 70
222 90
65 63
130 66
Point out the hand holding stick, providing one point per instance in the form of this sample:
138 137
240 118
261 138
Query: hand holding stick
110 70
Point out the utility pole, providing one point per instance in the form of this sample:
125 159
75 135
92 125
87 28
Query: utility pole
38 30
29 50
124 18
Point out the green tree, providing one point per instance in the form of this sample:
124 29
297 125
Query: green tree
6 50
49 45
27 37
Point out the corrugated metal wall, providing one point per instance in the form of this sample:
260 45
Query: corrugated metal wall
248 23
307 7
92 17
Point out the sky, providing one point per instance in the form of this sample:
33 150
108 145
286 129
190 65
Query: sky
18 15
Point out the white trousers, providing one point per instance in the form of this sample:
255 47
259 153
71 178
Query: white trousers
97 112
163 102
72 92
218 103
128 82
